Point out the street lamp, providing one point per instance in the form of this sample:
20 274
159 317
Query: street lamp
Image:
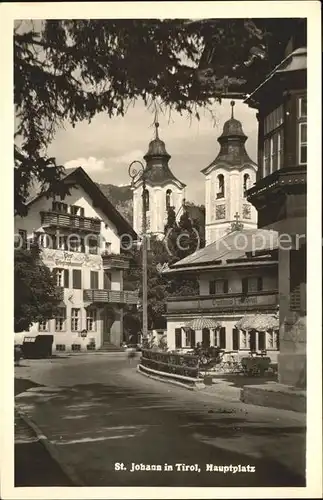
137 172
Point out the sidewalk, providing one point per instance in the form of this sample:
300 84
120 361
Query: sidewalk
42 470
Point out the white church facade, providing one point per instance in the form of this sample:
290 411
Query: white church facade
227 179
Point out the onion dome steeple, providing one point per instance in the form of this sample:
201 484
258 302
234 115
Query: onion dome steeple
157 158
232 141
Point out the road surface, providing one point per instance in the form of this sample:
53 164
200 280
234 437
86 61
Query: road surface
114 427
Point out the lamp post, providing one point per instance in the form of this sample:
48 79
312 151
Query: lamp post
138 173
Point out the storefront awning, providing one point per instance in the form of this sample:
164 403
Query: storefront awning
259 322
200 323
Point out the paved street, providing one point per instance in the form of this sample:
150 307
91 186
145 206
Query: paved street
97 411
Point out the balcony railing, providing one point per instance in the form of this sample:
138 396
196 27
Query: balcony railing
75 222
110 296
110 261
224 302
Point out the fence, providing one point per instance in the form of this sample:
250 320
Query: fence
177 364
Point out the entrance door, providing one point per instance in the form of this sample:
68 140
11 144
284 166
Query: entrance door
253 342
108 320
206 340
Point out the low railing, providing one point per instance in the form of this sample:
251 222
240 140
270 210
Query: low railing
228 301
171 363
110 296
58 219
110 261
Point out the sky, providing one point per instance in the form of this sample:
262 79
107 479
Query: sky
106 146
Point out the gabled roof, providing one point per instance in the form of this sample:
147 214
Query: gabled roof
238 248
78 176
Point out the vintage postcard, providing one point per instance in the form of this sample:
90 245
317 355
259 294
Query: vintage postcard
163 250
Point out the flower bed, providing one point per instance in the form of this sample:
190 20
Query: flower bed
173 363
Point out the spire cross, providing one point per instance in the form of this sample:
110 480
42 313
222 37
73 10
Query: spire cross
232 104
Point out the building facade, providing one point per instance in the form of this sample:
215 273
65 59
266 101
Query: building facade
81 239
227 180
233 285
279 194
163 190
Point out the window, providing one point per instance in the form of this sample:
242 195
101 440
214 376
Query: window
273 143
75 243
222 343
218 287
76 347
60 347
246 183
62 276
107 281
77 279
45 240
178 338
146 200
302 107
94 280
235 339
206 337
302 154
244 340
251 285
60 320
273 153
43 326
261 341
107 247
93 246
168 198
75 319
61 243
58 206
274 120
220 186
75 210
91 320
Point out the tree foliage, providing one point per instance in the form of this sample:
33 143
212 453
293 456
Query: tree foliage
36 296
69 70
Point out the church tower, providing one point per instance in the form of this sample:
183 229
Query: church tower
227 179
163 189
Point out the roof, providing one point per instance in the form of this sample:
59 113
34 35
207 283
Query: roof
78 176
236 249
295 61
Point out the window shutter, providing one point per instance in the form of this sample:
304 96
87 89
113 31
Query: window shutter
178 338
212 287
66 276
259 284
235 339
77 279
192 338
244 286
225 286
222 338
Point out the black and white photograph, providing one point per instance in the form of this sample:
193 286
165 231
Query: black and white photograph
159 249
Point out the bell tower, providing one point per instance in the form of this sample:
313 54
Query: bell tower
163 189
227 179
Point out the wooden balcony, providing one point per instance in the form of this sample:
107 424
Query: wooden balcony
75 222
110 296
229 302
110 261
